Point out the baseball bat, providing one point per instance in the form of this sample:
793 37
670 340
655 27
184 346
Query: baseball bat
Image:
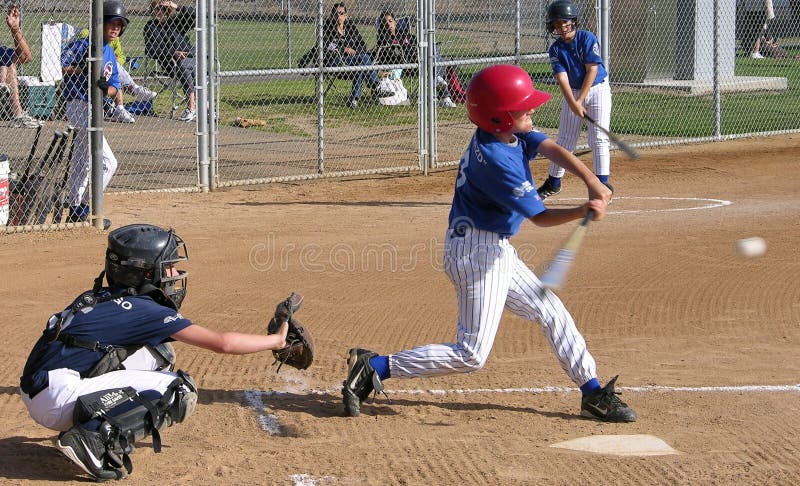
47 191
61 187
632 153
26 187
34 146
559 267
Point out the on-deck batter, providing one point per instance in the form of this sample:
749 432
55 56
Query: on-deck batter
494 193
582 77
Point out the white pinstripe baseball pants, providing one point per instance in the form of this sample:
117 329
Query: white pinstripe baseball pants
79 180
489 276
598 106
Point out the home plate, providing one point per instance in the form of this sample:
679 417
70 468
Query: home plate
620 445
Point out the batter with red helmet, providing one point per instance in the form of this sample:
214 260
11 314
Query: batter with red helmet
494 194
583 80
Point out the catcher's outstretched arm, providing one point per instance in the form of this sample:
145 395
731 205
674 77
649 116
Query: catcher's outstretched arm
229 342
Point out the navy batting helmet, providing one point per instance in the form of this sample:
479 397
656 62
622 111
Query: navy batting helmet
141 254
114 9
561 10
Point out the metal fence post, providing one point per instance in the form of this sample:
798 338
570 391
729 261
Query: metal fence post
201 92
213 90
96 103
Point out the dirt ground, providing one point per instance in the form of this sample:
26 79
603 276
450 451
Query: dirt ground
704 340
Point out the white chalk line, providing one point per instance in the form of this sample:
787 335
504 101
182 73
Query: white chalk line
711 203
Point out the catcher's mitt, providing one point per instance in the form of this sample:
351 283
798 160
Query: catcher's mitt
299 349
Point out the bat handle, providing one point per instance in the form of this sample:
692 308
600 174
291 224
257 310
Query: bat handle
589 216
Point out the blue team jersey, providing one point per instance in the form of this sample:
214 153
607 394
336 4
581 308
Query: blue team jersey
573 57
494 188
124 322
74 54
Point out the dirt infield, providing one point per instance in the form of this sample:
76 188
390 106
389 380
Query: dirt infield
705 341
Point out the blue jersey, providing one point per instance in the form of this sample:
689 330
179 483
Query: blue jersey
74 54
494 189
573 57
131 321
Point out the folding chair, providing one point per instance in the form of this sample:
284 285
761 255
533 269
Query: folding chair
309 60
146 72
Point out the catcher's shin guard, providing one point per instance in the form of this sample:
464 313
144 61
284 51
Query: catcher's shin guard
128 416
362 379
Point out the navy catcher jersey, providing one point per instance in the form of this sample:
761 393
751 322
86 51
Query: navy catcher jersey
127 321
494 189
573 57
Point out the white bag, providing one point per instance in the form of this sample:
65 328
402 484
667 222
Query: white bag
55 35
392 83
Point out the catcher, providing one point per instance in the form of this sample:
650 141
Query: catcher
102 371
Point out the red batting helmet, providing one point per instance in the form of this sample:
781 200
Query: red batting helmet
497 90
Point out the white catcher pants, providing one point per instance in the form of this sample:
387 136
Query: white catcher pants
489 276
78 116
598 106
53 407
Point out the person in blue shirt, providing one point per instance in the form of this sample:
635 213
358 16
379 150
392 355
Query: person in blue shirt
102 371
494 194
583 80
76 102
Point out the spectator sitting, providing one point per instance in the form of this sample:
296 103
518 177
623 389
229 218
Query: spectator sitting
165 40
396 45
345 46
120 113
9 58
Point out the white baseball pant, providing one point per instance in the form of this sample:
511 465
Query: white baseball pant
489 276
54 406
598 106
78 116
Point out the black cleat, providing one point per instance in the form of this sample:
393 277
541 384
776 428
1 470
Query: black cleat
86 449
362 379
605 405
548 189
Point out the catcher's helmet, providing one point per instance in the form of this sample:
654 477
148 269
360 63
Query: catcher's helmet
141 254
114 9
561 10
498 90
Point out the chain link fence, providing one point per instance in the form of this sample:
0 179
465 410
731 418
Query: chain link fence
301 89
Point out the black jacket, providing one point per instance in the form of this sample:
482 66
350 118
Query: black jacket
161 41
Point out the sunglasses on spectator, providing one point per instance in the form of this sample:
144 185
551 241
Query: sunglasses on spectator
341 12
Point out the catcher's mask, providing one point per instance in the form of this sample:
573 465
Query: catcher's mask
113 10
140 255
561 10
498 90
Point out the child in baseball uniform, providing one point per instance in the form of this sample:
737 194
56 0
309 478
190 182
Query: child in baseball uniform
102 372
76 95
494 194
579 71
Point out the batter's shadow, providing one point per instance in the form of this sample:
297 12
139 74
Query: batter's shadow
329 405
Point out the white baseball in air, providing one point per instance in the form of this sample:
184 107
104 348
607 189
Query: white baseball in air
751 247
